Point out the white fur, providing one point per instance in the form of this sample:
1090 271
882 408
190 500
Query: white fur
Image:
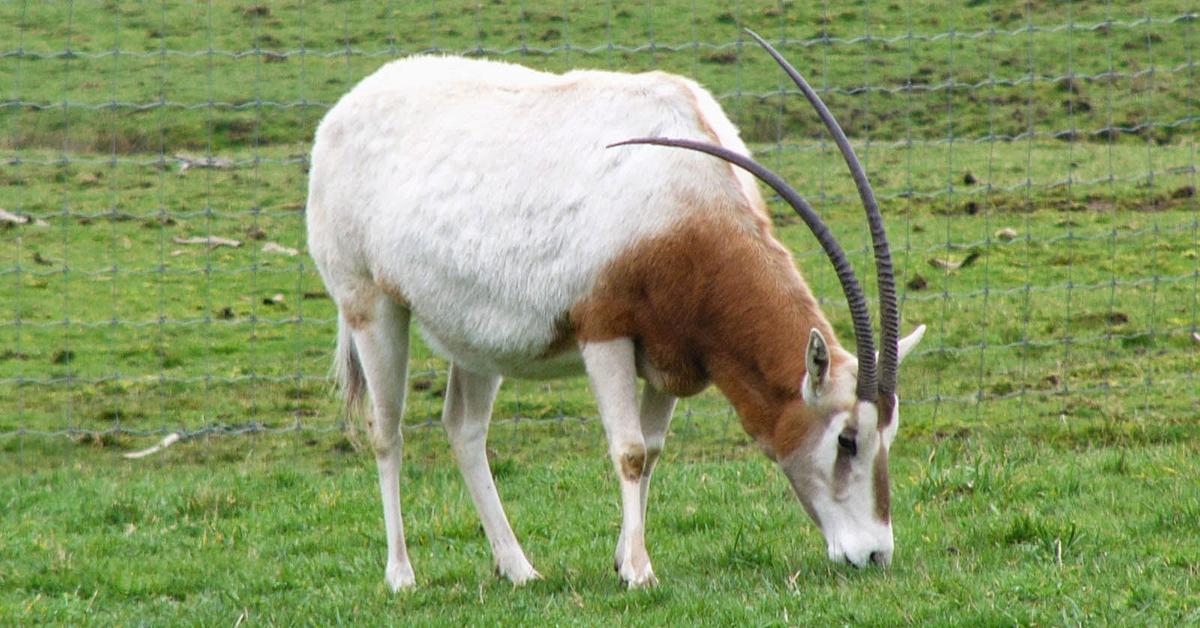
483 191
465 416
852 531
482 196
477 198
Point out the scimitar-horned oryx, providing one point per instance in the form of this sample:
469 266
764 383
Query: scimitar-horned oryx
497 207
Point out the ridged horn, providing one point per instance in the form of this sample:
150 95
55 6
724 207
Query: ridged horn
863 335
889 315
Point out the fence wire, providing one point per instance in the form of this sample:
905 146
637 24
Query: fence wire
1038 174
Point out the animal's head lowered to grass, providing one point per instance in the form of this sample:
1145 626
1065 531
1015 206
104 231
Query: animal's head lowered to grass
833 445
839 467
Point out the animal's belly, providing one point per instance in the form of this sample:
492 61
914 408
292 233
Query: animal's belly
552 361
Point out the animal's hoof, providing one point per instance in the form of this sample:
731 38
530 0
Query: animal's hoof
400 576
638 580
518 573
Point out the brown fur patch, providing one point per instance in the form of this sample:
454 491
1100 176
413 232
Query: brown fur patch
395 293
841 472
632 464
355 317
883 496
357 304
690 384
796 425
717 298
564 339
887 407
357 309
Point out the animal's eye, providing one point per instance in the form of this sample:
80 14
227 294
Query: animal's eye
847 442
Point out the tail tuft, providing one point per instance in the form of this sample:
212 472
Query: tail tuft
349 373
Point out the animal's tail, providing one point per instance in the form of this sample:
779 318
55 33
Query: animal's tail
348 370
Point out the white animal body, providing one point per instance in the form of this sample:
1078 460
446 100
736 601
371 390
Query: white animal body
484 193
479 200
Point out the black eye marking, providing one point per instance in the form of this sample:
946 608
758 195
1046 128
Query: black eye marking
847 442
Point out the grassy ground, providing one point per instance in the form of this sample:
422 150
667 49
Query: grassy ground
1024 529
1045 472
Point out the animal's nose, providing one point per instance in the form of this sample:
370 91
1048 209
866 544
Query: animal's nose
882 558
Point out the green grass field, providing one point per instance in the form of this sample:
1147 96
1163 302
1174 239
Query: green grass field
1046 469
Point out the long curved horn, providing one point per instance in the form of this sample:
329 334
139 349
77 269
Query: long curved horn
889 316
863 334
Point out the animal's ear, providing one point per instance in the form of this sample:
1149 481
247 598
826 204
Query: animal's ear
909 342
816 359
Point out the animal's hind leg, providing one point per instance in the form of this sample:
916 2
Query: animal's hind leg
466 414
381 342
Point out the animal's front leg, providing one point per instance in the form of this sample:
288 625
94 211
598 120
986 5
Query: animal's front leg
655 418
613 376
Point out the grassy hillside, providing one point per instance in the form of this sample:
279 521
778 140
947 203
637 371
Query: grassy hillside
893 71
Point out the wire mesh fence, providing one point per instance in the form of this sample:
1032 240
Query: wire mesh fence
1037 167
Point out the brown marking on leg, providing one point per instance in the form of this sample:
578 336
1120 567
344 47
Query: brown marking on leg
395 293
633 462
356 313
358 303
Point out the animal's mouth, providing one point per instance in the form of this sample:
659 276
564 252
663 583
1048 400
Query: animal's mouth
881 559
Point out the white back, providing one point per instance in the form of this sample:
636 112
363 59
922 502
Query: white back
483 193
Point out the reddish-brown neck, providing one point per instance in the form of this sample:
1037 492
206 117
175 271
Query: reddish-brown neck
761 369
720 300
